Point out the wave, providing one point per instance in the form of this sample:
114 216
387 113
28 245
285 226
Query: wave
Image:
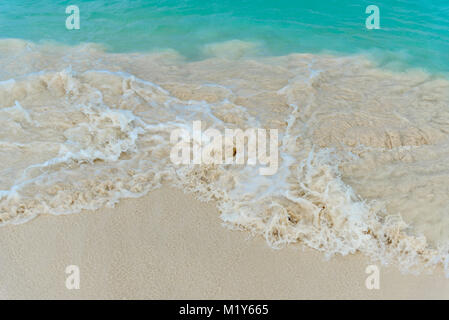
363 151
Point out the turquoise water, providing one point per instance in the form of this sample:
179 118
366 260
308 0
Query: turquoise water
413 33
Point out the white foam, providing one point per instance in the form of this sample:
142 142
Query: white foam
86 137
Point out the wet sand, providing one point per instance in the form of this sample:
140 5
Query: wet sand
168 245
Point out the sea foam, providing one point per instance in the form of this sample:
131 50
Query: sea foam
363 151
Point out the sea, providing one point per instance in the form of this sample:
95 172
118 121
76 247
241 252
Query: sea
358 92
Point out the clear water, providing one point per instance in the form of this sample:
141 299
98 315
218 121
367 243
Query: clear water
413 33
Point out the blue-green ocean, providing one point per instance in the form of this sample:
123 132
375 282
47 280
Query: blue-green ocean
412 33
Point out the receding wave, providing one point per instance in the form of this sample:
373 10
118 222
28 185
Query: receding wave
363 151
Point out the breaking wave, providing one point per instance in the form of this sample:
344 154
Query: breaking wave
363 151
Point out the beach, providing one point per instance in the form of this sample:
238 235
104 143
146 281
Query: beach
166 149
352 164
167 245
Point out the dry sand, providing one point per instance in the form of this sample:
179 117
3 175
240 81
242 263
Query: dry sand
168 245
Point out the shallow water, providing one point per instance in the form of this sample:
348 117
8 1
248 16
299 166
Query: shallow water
413 33
362 143
362 150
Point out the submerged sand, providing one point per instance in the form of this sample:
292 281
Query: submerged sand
362 152
167 245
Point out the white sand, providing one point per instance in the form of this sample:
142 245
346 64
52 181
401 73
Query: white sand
168 245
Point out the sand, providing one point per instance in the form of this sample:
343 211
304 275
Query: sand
167 245
361 162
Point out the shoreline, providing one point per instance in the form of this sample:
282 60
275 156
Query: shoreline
167 245
231 50
352 176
